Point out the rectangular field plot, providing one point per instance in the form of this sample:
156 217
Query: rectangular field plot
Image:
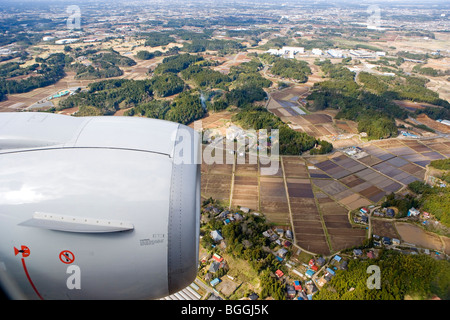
310 236
299 188
294 167
433 155
387 169
442 148
245 192
414 169
216 186
370 160
273 199
304 209
373 193
331 187
397 162
354 201
401 151
378 152
417 146
340 232
246 165
352 181
384 228
332 169
348 163
215 168
270 167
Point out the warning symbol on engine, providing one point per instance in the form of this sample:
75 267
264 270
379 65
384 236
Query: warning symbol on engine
66 257
24 250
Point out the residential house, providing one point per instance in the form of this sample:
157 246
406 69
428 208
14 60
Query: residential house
364 211
331 271
215 282
253 296
216 236
343 265
386 241
279 231
215 266
322 281
282 252
290 291
413 212
245 210
217 257
289 234
320 261
309 273
287 244
364 219
302 296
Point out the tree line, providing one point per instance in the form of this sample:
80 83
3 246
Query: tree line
418 276
48 72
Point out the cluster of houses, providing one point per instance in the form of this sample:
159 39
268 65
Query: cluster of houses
336 263
318 273
379 241
362 216
217 263
226 216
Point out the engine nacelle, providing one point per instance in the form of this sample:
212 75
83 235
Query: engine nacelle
97 207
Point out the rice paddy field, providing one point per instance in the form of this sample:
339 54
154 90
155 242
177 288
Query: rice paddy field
314 194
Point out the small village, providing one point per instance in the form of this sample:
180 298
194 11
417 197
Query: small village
300 273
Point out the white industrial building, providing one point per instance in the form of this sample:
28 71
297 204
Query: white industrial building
336 53
287 50
294 50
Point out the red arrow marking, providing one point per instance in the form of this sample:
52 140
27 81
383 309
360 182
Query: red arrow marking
25 251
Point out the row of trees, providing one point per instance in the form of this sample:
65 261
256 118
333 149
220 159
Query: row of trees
370 104
291 142
417 276
287 68
49 72
205 77
177 63
434 200
104 65
222 46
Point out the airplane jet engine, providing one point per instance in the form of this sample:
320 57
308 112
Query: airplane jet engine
97 207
